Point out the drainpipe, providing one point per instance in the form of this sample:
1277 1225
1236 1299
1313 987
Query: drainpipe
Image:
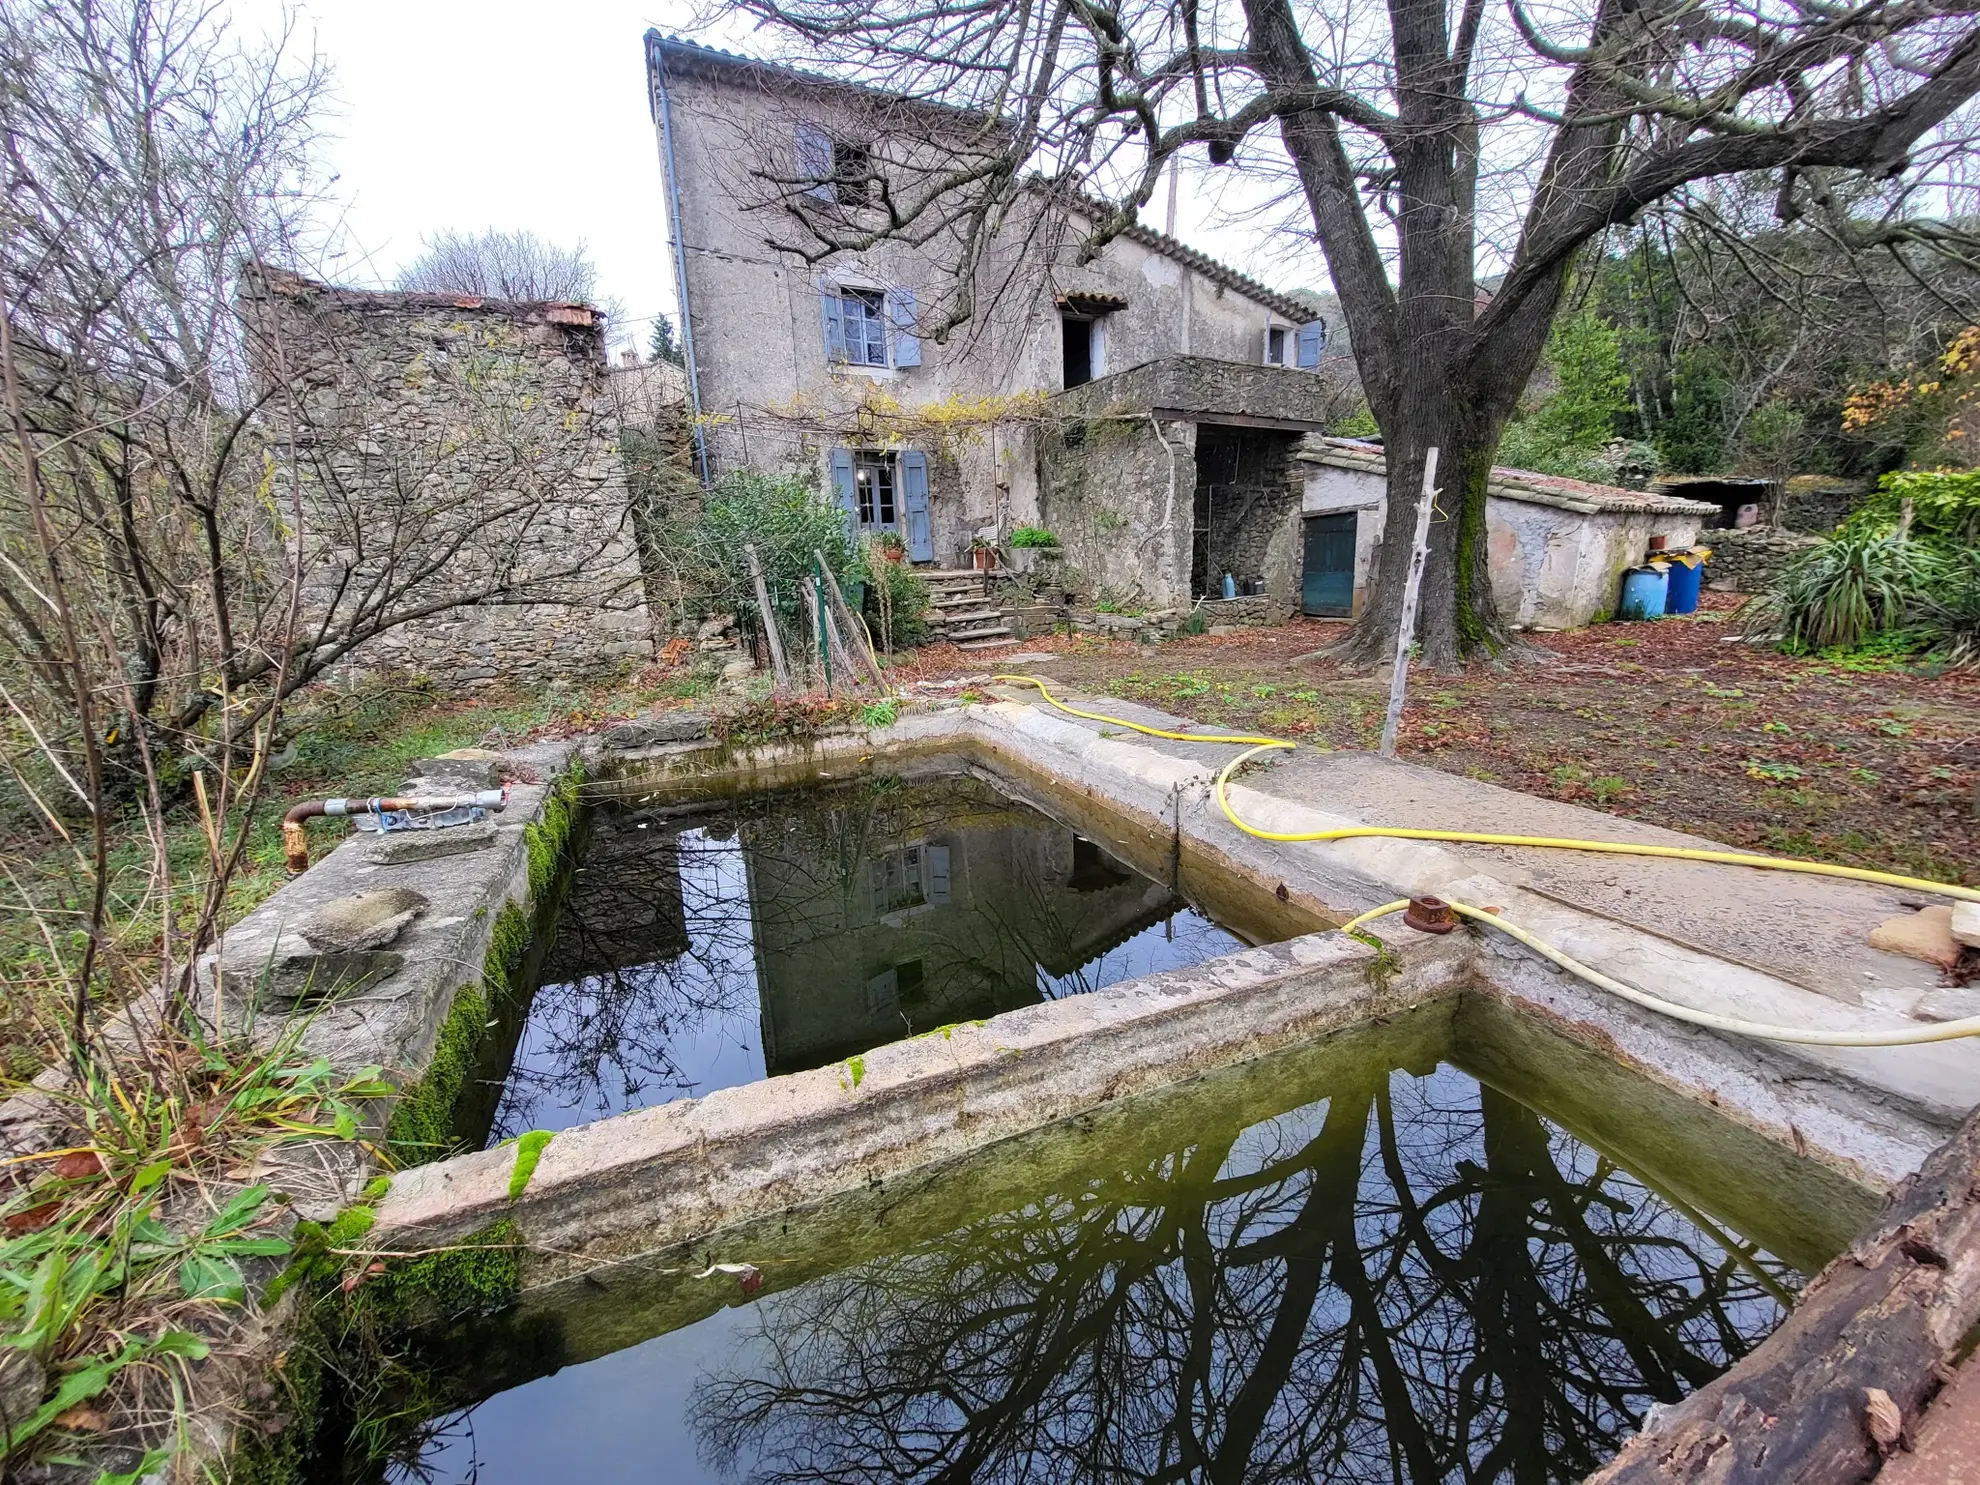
664 112
295 835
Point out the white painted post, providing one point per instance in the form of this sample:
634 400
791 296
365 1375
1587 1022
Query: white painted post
1412 588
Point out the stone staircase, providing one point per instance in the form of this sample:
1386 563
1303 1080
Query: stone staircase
962 611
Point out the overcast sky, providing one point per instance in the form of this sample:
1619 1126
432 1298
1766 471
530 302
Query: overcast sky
501 113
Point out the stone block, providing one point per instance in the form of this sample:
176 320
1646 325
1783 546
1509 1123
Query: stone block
472 768
1926 934
363 920
1966 924
396 847
643 732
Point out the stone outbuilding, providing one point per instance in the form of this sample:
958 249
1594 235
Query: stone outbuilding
1557 547
460 477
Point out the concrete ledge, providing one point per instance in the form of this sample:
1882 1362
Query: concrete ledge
674 1173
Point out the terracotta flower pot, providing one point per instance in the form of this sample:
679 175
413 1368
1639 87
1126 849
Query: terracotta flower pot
896 554
986 559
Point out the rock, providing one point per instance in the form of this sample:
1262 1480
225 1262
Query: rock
737 670
471 768
290 979
395 847
642 732
1926 935
1948 1005
714 628
1966 924
23 1381
364 920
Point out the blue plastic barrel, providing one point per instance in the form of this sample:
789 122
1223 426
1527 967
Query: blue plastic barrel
1687 575
1643 593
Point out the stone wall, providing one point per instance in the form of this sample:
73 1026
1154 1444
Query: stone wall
461 481
1117 492
1745 561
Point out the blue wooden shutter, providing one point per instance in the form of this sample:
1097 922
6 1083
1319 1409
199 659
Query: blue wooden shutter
937 873
914 500
844 489
814 161
1312 337
833 312
900 316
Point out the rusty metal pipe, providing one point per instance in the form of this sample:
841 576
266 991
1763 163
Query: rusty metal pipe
295 834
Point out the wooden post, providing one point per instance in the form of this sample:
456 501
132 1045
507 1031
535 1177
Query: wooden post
1412 588
816 621
783 672
862 657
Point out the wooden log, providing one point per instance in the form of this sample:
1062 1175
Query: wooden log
1891 1313
854 631
777 665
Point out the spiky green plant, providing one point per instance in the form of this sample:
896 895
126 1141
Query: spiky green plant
1949 616
1852 585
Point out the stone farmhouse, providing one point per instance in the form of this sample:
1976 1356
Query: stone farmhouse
818 365
1158 411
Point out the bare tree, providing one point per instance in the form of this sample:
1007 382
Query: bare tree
1420 145
501 265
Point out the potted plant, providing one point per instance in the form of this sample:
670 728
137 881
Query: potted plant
892 547
984 554
1030 545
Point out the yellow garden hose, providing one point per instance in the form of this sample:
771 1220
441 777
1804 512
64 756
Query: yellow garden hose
1908 1036
1943 1031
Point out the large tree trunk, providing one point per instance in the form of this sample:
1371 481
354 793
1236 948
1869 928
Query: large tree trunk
1457 619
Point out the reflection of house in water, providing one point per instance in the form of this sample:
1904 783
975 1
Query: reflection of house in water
894 907
625 907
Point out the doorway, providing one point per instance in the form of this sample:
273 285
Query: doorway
1327 575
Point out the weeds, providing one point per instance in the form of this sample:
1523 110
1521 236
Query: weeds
126 1245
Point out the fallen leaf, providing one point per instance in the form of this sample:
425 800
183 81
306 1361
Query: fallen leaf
79 1165
31 1220
82 1418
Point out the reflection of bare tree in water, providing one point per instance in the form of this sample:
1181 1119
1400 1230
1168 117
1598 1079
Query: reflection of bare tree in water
610 1039
1413 1282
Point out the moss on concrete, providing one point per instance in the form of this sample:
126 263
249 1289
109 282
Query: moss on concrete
529 1150
423 1124
479 1274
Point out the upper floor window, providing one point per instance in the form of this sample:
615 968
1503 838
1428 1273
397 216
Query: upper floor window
864 314
1275 345
835 170
1295 345
869 327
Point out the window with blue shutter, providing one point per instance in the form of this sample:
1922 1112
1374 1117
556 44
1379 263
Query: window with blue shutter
814 162
1312 337
919 535
830 308
901 313
844 488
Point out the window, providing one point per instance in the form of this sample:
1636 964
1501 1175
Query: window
852 173
834 170
1275 346
863 312
873 478
1077 333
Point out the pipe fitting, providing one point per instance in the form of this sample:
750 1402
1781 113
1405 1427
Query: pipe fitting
295 824
1430 915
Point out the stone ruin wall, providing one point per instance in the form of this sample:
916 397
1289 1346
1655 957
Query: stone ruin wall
497 420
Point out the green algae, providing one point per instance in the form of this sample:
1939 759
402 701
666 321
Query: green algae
529 1150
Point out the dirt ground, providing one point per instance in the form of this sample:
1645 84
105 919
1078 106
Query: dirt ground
1683 723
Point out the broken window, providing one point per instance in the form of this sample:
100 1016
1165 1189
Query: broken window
873 479
852 173
834 169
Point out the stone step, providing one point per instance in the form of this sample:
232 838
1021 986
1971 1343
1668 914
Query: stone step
960 600
987 644
985 631
966 615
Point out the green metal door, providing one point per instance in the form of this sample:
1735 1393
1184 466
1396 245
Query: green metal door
1327 586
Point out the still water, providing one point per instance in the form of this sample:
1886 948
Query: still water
785 931
1377 1268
